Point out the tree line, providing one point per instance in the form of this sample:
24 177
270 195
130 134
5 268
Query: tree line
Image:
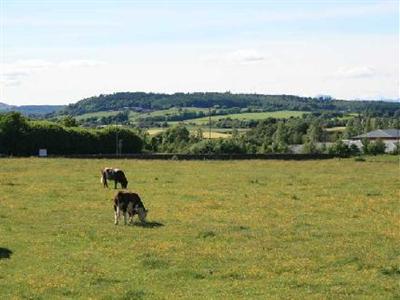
157 101
22 136
273 136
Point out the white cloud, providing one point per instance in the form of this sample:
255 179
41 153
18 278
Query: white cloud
241 56
245 56
80 63
355 72
13 74
30 64
12 78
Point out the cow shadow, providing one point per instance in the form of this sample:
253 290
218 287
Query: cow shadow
147 224
5 253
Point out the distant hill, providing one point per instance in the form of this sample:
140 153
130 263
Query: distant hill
5 107
31 110
155 101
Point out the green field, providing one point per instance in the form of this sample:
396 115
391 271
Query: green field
97 114
135 116
336 129
172 111
215 132
284 114
217 230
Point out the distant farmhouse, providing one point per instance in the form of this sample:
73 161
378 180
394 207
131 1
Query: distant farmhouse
389 136
382 134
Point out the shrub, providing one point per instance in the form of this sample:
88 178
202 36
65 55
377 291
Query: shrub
19 136
359 158
376 148
339 149
396 150
218 146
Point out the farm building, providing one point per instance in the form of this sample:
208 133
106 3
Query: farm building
390 137
382 134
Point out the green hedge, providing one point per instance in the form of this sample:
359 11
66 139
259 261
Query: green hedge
19 136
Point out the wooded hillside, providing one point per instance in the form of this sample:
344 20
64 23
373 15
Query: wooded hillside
153 101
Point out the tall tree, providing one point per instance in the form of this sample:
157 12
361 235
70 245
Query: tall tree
279 138
13 127
313 136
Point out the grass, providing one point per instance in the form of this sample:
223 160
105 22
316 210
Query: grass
98 114
173 111
259 230
135 116
154 131
165 112
284 114
215 132
336 129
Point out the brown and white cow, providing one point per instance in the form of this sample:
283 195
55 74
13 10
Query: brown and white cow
129 204
113 174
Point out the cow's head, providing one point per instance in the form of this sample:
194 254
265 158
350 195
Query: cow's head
124 183
142 212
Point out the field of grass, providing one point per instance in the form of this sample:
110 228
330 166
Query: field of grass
135 116
215 133
337 129
284 114
217 230
165 112
173 111
97 114
154 131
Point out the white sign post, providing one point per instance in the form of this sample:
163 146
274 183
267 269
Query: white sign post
42 152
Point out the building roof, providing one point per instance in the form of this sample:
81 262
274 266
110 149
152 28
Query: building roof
380 134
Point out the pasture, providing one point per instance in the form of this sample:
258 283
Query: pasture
282 114
217 230
216 133
98 114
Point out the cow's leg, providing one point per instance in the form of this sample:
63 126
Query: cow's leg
117 212
104 180
125 217
131 218
115 184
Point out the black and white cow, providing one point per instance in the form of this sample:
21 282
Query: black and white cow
129 204
113 174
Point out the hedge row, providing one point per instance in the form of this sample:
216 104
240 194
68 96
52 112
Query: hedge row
21 137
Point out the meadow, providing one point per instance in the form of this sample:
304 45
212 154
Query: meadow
216 230
97 114
135 116
216 133
283 114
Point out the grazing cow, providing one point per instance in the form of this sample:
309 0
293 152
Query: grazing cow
113 174
130 204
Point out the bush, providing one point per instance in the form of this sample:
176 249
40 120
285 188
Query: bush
310 147
13 127
396 150
359 158
19 136
339 149
343 150
218 146
375 148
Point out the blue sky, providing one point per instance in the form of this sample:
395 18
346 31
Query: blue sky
55 52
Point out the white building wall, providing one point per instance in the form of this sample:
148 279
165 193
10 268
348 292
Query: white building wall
390 144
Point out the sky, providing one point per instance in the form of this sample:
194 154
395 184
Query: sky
59 52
